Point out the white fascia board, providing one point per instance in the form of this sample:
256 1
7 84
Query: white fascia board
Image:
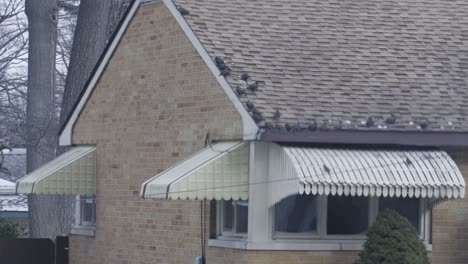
65 137
249 125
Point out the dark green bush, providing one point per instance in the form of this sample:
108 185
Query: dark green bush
8 229
393 240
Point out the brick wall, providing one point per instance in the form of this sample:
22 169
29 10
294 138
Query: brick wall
450 223
153 106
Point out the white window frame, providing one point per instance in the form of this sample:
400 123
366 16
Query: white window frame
221 233
80 226
424 223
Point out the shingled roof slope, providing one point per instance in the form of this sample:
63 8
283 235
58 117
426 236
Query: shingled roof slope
340 62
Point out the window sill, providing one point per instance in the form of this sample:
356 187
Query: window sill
310 245
83 230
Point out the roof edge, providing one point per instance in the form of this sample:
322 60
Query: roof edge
250 128
66 131
408 138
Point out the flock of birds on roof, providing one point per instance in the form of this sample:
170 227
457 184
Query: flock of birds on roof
326 125
251 87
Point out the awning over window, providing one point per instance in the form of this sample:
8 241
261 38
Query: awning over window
217 172
73 172
388 173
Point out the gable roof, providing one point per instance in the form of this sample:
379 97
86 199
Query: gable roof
338 63
330 66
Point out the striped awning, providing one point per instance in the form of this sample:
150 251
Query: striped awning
363 172
73 172
220 171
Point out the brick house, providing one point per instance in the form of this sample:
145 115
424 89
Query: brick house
268 132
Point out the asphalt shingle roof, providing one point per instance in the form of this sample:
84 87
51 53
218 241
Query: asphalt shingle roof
340 62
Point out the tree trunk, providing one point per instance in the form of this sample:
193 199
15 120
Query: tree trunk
41 122
87 48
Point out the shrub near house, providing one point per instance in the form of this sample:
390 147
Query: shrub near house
393 240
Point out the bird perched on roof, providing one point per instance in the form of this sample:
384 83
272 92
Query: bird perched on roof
423 125
370 122
240 91
257 117
245 77
225 72
277 115
253 86
223 68
183 11
391 119
249 105
289 127
324 126
219 61
312 126
269 126
408 161
326 169
255 111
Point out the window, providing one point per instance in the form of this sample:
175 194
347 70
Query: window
85 216
336 217
88 211
407 207
347 215
234 220
297 214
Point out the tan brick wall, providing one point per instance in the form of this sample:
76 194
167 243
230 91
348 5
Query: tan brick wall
153 107
450 222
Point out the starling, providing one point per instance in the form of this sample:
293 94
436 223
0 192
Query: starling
219 61
223 66
324 126
240 91
391 119
183 11
370 122
408 161
245 77
269 126
277 115
255 111
423 125
257 117
249 105
312 126
326 169
289 127
225 72
253 87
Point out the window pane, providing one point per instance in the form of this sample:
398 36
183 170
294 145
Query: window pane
296 214
88 210
242 216
407 207
228 217
347 215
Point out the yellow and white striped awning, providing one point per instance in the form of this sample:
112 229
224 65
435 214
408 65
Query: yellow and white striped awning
220 171
363 172
73 172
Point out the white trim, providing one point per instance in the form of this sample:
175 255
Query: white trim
65 137
250 127
311 245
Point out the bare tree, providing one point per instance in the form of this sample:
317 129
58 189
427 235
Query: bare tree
13 51
40 111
